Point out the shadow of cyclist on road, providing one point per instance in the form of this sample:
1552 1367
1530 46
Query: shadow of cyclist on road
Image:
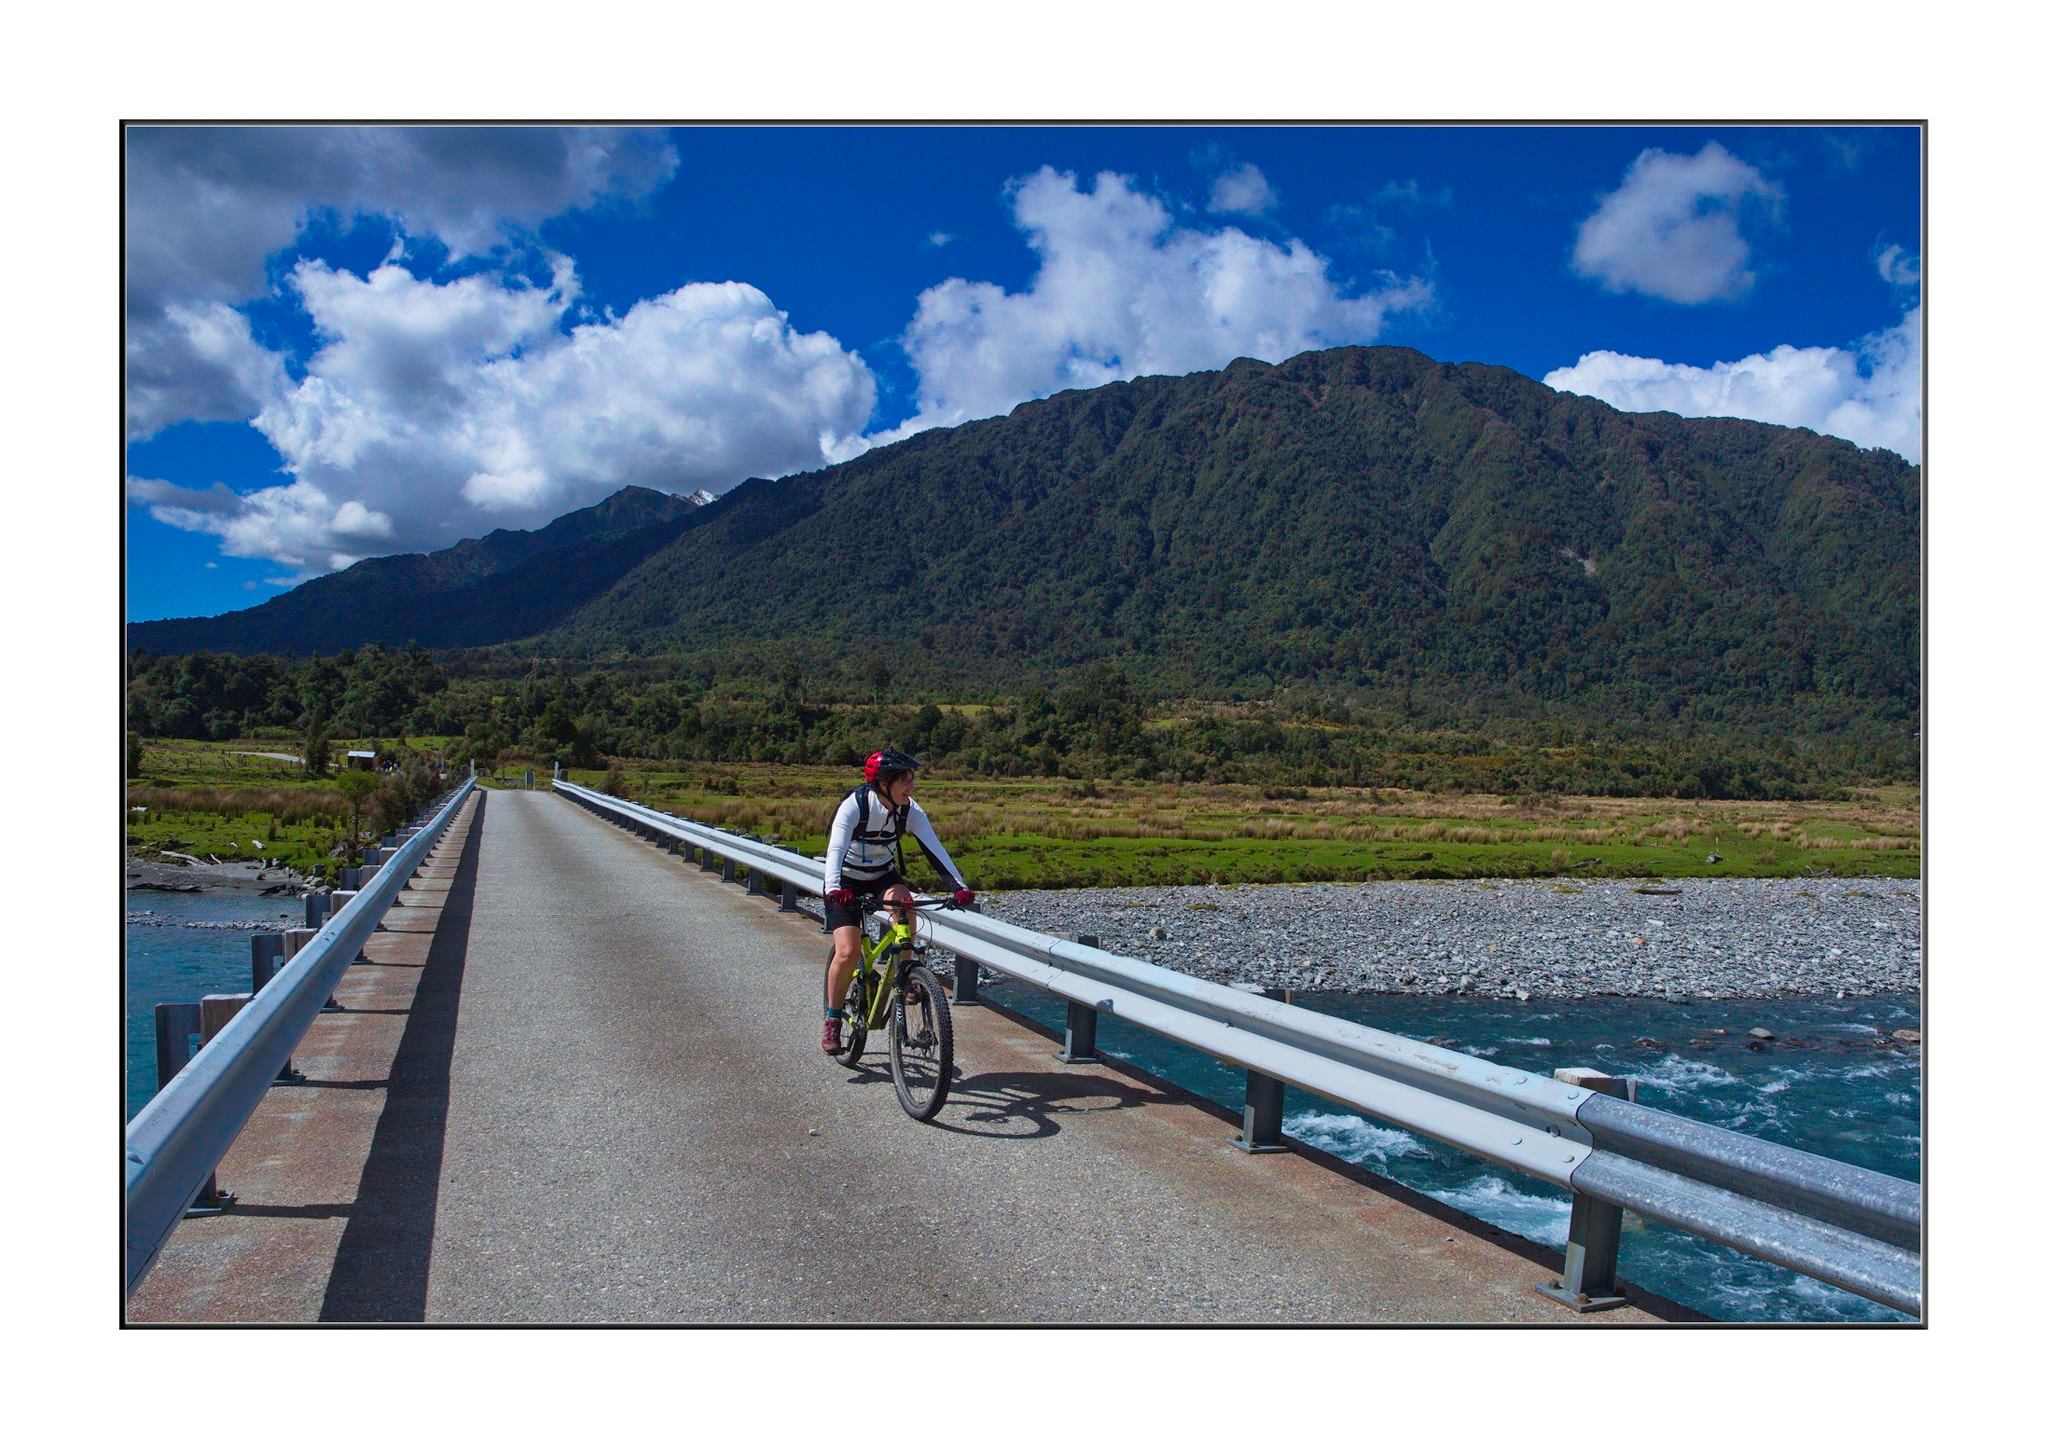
1020 1105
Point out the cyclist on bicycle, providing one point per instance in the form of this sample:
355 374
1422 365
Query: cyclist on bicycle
861 860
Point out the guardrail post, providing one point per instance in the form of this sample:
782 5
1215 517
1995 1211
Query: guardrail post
757 884
334 903
295 942
704 858
967 974
266 956
1265 1097
316 907
1080 1044
177 1022
789 895
726 870
1592 1250
215 1012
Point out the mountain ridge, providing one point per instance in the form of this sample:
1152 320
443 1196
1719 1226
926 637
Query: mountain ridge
1359 520
446 599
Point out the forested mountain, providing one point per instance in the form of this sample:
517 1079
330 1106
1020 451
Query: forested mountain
1363 522
505 585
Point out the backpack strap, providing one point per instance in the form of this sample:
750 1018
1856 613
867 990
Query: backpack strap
898 816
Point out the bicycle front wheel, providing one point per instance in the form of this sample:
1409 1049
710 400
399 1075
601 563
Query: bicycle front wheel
921 1043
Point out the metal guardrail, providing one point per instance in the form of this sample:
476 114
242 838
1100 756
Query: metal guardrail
175 1141
1857 1229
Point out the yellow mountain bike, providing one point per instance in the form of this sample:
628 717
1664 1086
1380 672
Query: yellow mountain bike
891 983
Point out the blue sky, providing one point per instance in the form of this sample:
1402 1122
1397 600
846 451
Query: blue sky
347 342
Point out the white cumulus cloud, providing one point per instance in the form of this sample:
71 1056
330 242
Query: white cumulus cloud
1869 394
1243 190
206 206
1673 228
195 362
436 409
1898 266
1122 290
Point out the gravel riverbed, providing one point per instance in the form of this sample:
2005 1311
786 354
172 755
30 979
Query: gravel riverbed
1674 939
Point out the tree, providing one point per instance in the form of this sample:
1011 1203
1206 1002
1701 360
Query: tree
356 786
583 751
316 749
789 676
134 754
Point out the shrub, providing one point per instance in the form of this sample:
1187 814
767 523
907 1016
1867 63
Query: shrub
315 748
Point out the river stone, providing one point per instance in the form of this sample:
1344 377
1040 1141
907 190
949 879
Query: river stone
1737 939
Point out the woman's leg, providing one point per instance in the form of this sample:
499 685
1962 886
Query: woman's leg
899 895
845 956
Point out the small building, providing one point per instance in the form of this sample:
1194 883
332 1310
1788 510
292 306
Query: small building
362 760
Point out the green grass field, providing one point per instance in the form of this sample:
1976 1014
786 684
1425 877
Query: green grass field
1021 834
205 798
222 799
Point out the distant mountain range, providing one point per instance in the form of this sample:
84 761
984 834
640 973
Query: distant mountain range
505 585
1361 519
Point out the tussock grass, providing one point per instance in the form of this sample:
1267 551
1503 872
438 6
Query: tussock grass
287 807
1062 832
1676 829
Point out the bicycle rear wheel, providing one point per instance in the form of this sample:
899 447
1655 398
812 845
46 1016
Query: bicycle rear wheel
853 1029
921 1043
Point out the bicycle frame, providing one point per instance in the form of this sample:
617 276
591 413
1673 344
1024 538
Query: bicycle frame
878 963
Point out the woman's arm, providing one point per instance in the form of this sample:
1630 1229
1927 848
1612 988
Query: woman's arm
841 837
920 825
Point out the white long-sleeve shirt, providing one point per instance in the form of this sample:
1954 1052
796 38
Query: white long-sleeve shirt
862 848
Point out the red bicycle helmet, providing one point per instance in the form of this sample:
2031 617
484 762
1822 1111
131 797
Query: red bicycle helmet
893 761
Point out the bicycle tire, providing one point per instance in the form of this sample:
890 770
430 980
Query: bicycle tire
921 1044
853 1027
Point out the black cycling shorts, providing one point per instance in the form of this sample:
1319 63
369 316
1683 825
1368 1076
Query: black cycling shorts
837 916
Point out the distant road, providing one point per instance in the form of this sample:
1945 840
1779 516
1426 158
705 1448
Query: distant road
267 755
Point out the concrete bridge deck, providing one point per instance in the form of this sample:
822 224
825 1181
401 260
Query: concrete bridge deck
577 1080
